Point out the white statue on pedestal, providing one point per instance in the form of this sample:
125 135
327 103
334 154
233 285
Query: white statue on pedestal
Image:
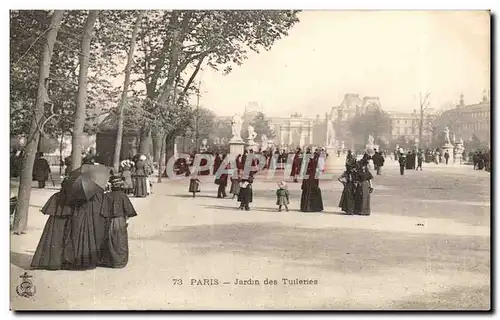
236 127
447 135
264 144
251 133
204 145
330 132
371 140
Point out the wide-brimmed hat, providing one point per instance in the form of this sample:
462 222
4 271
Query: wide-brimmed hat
116 182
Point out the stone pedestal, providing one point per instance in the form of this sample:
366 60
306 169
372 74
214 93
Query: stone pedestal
458 155
251 145
447 147
370 149
236 147
331 161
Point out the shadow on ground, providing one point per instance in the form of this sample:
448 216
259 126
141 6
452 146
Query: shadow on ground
191 196
475 298
22 260
341 250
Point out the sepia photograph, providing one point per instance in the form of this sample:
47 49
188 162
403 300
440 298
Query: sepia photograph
250 160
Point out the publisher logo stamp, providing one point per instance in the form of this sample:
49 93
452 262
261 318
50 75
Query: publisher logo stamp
26 288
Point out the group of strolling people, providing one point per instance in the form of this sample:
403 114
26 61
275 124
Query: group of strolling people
135 173
81 233
482 160
357 181
241 183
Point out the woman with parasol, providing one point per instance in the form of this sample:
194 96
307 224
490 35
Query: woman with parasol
73 235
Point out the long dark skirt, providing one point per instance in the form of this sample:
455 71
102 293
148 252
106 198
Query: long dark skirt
129 184
362 205
194 185
408 163
114 253
235 187
50 252
140 186
87 235
347 200
311 200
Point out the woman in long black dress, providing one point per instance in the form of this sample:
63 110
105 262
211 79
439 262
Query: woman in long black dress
139 174
311 200
296 165
50 252
87 233
347 200
363 190
116 210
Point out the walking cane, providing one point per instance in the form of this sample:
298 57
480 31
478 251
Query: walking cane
52 178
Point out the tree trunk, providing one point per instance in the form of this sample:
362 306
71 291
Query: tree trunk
169 148
128 68
161 159
61 152
420 127
145 140
81 100
24 193
158 139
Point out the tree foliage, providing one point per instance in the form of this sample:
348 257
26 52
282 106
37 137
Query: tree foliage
374 122
27 30
174 45
262 126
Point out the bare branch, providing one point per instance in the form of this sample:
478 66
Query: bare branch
32 44
191 79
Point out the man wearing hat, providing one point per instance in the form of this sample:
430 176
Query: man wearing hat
402 163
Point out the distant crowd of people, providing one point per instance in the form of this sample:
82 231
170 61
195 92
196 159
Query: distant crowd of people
242 181
481 160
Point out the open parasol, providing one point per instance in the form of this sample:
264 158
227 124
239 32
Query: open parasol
86 181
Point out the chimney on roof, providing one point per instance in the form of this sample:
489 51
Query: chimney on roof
485 97
462 103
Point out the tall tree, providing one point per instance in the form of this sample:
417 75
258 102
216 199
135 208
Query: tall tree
81 100
375 122
21 215
262 126
424 105
126 83
178 43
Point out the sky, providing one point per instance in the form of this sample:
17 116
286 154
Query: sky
394 55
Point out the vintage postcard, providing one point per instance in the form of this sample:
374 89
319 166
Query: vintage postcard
250 160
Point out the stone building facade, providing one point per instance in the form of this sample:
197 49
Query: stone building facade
467 120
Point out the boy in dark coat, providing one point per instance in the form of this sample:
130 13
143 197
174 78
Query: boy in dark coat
245 196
